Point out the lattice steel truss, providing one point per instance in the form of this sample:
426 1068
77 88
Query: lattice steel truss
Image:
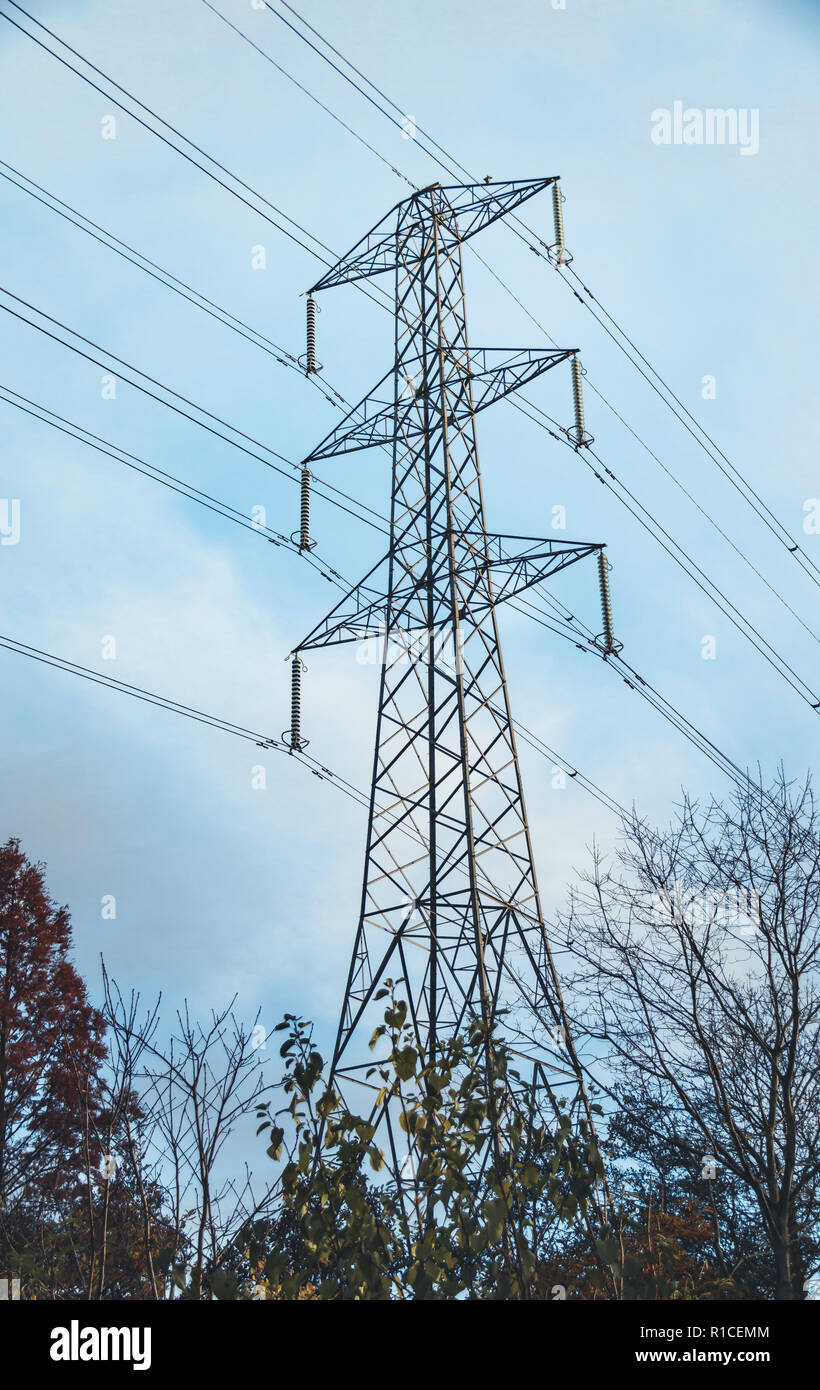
450 900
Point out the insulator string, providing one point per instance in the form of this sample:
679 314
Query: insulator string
578 433
293 736
561 255
310 364
609 644
305 542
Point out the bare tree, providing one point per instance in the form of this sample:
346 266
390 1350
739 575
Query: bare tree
127 1124
699 954
111 1232
195 1095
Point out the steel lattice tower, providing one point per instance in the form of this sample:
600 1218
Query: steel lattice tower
450 900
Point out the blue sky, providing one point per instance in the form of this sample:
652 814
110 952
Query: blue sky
706 256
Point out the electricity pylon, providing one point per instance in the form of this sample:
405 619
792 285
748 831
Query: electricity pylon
450 901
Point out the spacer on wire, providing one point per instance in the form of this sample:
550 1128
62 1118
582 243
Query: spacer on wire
578 432
293 735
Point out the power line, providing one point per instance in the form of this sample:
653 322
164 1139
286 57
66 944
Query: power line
249 451
162 387
264 741
302 88
586 642
704 513
668 711
199 150
179 411
40 412
738 481
70 428
164 277
533 740
382 158
457 166
287 359
200 716
143 123
312 764
138 693
647 521
122 686
272 10
203 168
281 456
230 513
185 711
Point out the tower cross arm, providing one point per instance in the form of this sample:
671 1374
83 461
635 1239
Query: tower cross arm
476 380
370 422
363 612
515 569
473 206
478 205
376 252
366 610
353 616
496 372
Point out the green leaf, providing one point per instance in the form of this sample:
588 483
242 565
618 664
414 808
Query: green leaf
609 1250
404 1062
223 1285
274 1149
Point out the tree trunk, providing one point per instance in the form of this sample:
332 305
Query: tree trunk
782 1250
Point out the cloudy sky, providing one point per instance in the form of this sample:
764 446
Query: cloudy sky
704 253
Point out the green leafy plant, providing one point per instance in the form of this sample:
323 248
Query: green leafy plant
486 1180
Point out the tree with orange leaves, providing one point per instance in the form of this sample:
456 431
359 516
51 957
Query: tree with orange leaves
51 1043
